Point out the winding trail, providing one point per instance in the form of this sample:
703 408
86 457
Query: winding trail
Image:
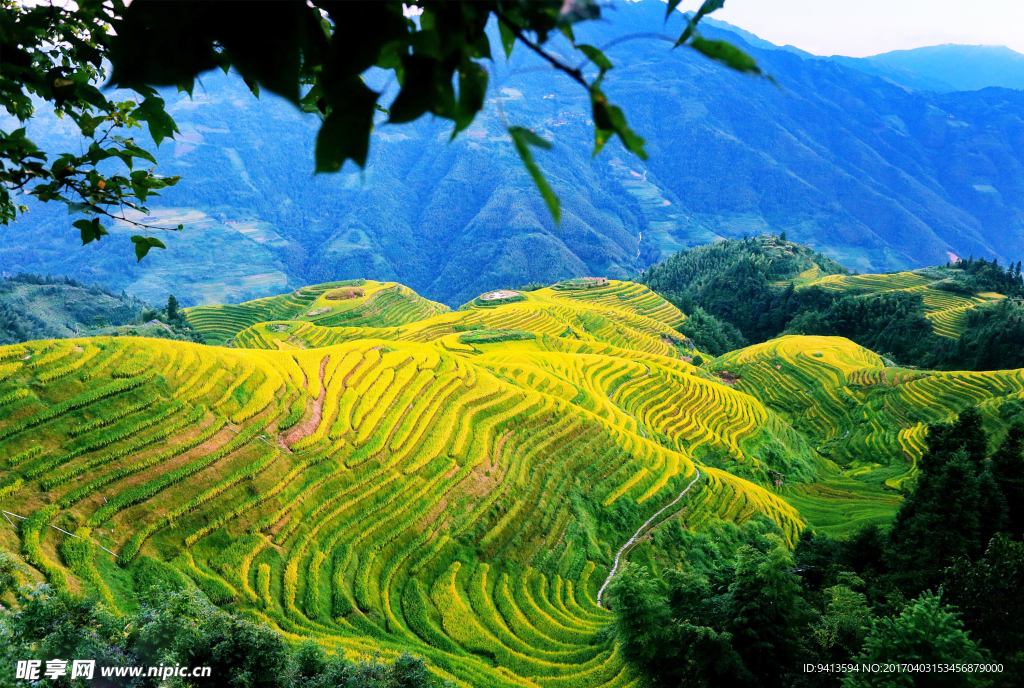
636 535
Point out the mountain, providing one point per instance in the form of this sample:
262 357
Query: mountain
459 486
34 307
945 68
872 174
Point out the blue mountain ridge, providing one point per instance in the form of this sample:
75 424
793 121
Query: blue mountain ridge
876 174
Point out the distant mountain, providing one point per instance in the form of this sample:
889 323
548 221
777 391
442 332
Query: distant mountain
877 176
945 68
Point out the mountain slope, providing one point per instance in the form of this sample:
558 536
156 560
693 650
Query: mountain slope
753 290
33 307
457 487
945 68
358 303
877 176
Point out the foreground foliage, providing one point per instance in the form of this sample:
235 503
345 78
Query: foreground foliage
181 627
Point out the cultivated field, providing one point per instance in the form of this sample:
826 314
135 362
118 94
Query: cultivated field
946 311
388 476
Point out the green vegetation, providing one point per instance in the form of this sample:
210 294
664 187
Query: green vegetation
34 307
734 287
179 627
376 304
955 317
744 610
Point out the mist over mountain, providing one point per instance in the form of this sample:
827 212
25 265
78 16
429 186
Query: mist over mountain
946 68
875 174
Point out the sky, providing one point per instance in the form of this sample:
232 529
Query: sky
859 28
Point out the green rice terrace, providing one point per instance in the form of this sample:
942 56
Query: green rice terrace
368 469
357 303
946 310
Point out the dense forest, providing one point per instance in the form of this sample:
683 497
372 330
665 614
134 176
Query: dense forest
940 586
743 292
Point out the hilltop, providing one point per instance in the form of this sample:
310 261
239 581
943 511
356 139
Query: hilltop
951 316
350 302
392 477
36 307
946 68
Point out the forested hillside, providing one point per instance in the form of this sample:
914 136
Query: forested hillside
462 486
37 307
872 174
963 315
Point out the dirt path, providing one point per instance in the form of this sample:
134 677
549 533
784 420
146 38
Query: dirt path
639 530
309 426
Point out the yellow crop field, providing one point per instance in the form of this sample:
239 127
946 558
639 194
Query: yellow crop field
850 406
374 304
390 476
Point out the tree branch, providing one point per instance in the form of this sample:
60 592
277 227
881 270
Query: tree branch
574 73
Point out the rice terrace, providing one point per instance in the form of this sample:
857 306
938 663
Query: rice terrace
386 479
511 344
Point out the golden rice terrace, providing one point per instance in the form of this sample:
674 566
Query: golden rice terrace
369 469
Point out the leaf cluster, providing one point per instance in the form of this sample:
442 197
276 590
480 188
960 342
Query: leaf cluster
314 54
56 54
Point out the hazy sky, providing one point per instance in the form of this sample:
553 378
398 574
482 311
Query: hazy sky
867 27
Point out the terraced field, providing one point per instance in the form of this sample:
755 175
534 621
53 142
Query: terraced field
864 416
946 311
377 304
383 478
623 314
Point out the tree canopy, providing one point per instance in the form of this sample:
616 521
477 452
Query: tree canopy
314 54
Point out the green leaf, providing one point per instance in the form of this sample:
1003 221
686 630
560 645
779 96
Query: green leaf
161 125
143 244
91 230
139 152
707 8
523 139
596 56
508 39
345 133
726 53
426 87
608 121
472 91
